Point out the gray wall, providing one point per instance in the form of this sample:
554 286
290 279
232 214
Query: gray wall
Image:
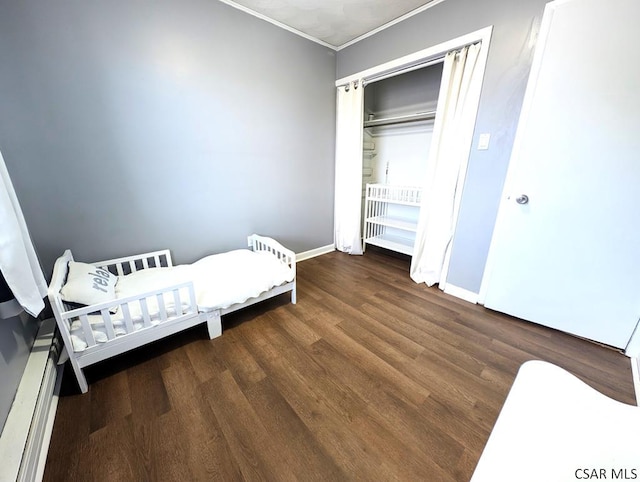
129 126
514 26
16 337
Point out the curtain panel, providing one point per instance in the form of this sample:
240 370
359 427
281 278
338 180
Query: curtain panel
348 185
447 154
18 261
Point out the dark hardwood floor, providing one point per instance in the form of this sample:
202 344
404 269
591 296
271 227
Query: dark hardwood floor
369 377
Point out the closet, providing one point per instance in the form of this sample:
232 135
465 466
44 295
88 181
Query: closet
399 114
407 126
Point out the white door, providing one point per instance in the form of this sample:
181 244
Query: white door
569 258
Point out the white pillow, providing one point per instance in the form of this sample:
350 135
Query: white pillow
88 285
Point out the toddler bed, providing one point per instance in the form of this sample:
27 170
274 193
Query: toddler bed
106 308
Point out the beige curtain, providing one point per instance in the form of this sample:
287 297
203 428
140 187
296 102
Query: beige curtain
447 154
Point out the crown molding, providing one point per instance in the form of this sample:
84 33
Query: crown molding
261 16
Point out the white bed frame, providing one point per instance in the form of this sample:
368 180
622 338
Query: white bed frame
183 295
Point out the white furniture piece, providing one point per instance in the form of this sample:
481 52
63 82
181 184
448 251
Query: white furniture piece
391 216
553 427
122 324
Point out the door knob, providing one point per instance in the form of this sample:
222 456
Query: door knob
522 199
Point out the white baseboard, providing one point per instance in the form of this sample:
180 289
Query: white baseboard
461 293
315 252
25 438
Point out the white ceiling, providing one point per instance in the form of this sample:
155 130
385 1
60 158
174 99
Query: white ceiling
332 22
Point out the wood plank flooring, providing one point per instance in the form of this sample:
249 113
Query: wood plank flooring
369 377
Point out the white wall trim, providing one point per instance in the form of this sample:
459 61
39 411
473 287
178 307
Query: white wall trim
410 14
483 35
461 293
244 9
312 253
25 438
635 373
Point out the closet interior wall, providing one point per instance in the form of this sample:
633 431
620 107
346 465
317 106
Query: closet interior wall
397 153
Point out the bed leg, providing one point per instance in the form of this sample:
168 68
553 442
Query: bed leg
214 325
294 295
82 381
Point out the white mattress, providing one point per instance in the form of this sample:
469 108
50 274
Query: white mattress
219 280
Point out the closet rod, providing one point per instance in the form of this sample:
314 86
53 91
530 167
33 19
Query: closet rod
403 70
403 119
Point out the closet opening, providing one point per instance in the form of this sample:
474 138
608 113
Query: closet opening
403 137
399 114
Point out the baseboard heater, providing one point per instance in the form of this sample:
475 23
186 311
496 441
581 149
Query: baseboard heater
25 438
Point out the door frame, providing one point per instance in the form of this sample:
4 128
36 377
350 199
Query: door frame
423 58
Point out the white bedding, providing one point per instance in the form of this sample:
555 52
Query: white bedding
219 280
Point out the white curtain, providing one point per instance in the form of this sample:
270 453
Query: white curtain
18 261
348 187
448 153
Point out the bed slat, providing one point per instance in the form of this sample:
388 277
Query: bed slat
162 308
86 328
108 324
126 313
131 264
146 318
192 299
177 303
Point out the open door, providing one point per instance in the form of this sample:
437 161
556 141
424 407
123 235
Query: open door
566 250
